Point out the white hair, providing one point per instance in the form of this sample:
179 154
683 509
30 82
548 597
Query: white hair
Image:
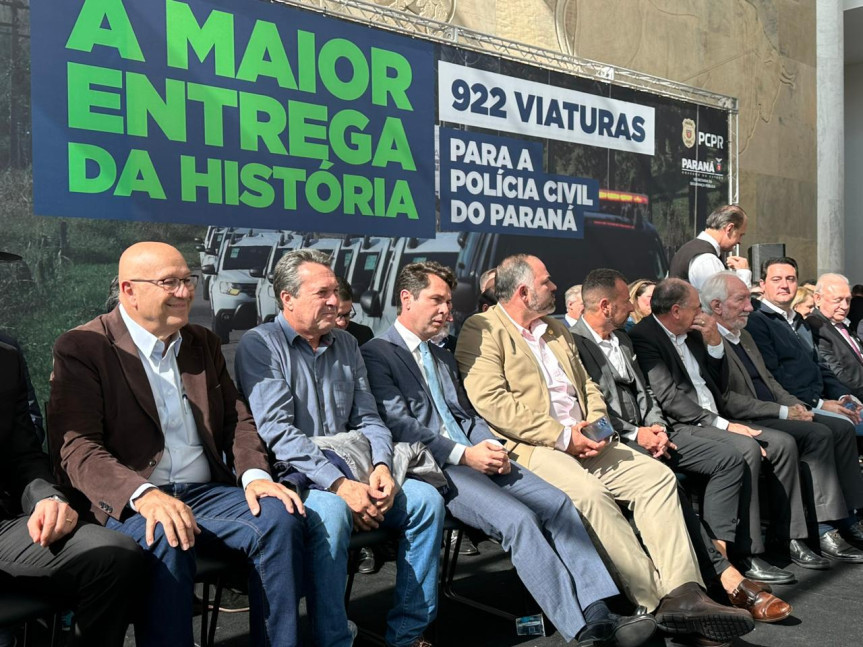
829 278
716 289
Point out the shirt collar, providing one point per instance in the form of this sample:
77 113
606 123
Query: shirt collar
147 342
730 335
612 340
537 328
677 340
709 239
292 335
789 317
411 340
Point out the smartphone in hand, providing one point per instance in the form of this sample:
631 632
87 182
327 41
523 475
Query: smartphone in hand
598 430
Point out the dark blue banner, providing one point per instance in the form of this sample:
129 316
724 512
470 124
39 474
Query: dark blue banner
230 112
497 185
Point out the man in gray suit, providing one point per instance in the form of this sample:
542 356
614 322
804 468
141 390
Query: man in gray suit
420 398
609 359
831 483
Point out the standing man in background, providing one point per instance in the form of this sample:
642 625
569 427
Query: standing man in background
700 258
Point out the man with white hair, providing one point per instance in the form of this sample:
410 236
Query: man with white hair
574 305
832 485
837 344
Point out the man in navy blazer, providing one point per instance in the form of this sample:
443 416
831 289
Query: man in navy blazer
419 395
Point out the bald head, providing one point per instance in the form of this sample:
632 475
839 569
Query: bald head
159 310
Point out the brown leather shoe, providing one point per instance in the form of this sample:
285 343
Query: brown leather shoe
688 610
763 606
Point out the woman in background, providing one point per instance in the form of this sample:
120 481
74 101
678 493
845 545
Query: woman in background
640 292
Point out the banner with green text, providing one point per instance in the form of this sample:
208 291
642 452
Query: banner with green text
230 112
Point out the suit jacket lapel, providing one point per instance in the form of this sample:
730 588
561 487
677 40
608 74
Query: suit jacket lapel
130 363
736 361
406 357
668 347
596 354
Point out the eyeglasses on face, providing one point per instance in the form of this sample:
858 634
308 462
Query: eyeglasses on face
172 283
346 316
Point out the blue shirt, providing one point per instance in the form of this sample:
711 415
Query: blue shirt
295 393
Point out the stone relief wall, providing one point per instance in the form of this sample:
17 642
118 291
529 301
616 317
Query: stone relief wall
760 51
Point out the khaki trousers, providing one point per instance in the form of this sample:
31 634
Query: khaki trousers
619 476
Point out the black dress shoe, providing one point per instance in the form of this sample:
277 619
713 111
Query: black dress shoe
805 557
757 570
688 610
617 631
368 563
833 546
467 547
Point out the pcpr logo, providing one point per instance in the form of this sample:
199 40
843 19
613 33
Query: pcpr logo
710 140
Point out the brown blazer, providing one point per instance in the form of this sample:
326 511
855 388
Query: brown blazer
741 401
104 429
505 383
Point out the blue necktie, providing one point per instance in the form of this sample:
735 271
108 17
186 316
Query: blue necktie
451 426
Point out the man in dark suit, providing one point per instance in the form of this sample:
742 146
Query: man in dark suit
680 350
145 421
32 404
44 548
608 357
837 343
420 398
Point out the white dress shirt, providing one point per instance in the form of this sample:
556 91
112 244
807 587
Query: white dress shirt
733 337
413 343
705 397
183 459
703 266
564 406
611 349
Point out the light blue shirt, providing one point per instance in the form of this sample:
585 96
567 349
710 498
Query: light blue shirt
296 393
183 459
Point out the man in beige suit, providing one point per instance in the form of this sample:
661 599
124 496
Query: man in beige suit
522 374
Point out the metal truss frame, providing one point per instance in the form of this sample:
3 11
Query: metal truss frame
417 26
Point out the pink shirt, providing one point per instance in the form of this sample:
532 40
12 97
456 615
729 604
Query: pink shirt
564 406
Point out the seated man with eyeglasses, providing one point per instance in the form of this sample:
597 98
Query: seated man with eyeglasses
145 421
347 311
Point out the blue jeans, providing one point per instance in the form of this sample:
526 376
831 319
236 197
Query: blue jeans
272 543
418 511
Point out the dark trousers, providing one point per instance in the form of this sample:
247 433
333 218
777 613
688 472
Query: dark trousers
782 477
721 467
96 569
272 543
830 475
